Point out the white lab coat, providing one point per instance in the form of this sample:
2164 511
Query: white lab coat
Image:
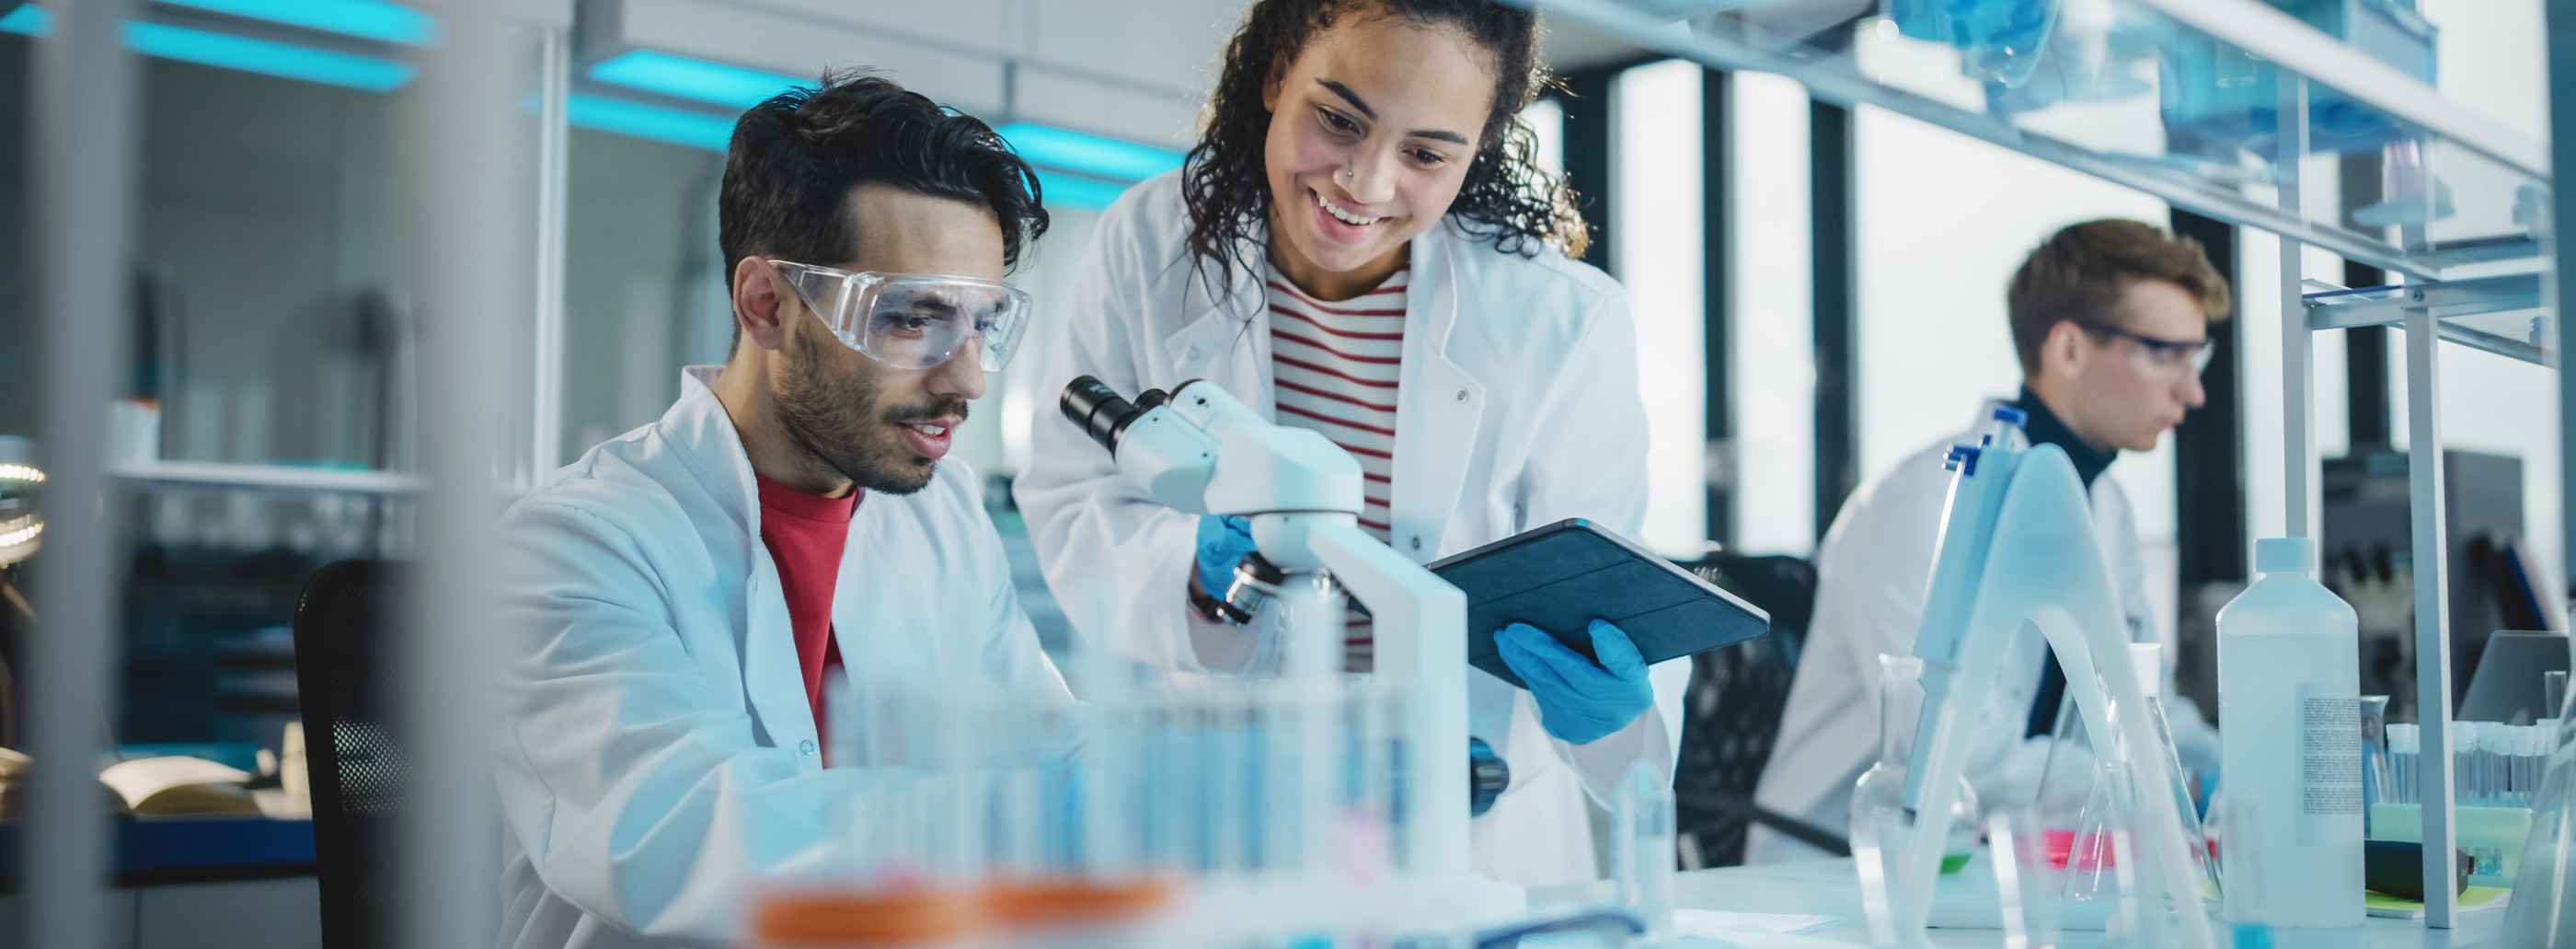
1517 407
659 757
1871 575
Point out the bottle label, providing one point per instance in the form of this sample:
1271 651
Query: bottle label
2329 764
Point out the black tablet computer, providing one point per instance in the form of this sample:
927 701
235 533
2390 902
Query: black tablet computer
1563 576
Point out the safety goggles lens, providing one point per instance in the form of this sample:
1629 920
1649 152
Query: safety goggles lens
2168 354
914 321
918 323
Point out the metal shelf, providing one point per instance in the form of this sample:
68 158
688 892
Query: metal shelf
2241 112
162 475
2504 315
2176 98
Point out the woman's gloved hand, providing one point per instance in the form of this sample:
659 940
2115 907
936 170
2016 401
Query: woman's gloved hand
1222 542
1579 701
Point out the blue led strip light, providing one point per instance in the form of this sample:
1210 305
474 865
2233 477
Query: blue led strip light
242 53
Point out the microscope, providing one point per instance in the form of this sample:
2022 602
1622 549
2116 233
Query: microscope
1199 450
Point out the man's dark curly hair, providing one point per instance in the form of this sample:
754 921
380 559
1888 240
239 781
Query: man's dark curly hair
1506 198
795 157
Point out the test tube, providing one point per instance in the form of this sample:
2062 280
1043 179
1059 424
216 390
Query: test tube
1226 786
2553 694
1644 845
2405 755
2464 761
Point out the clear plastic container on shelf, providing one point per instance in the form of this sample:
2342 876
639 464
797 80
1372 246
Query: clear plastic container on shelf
2224 97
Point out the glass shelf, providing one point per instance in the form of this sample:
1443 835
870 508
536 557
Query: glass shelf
271 478
2502 315
2177 98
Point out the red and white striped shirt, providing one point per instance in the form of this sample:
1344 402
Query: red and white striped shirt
1336 366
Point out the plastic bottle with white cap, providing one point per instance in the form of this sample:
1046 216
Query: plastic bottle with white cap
2289 686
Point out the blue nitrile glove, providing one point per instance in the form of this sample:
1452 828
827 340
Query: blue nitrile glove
1578 700
1222 542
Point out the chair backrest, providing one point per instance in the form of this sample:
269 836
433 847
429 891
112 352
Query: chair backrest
1731 715
342 632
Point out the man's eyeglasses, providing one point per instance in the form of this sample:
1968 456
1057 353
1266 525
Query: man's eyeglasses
2168 354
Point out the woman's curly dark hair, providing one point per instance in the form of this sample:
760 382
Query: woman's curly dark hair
1506 198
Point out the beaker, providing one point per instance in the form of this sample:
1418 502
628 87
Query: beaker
2193 835
1883 824
1643 845
2026 884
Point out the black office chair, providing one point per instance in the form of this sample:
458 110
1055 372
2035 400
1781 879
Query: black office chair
356 769
1731 715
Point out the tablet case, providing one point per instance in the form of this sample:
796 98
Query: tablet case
1562 576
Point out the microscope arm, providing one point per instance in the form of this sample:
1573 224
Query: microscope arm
1168 458
1421 624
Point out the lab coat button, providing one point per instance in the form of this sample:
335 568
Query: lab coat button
806 747
1462 395
1191 354
1417 542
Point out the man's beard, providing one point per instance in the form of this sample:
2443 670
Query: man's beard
838 422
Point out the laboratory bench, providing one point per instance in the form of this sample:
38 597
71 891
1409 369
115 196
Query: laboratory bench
1828 888
199 881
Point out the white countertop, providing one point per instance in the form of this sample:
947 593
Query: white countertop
1827 888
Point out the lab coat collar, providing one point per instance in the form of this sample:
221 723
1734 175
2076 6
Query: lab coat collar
711 447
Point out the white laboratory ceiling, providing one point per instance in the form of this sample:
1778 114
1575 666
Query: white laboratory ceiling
1132 69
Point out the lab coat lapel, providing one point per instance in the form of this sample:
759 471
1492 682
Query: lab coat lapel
1439 407
1226 338
771 676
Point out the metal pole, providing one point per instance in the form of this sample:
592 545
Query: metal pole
85 92
469 143
2432 610
552 145
2300 502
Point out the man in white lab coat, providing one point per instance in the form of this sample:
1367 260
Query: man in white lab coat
2111 321
680 595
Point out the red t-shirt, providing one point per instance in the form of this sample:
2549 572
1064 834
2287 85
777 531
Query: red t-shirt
805 533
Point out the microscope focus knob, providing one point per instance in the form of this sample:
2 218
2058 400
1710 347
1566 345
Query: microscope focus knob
1487 776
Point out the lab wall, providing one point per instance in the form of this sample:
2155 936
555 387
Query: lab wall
265 242
996 439
644 281
1942 221
1658 251
1771 315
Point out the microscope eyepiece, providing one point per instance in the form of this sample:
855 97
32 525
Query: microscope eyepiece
1102 412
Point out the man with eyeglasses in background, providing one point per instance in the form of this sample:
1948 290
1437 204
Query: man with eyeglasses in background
2111 320
677 599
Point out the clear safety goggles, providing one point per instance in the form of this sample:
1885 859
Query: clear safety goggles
912 321
2176 356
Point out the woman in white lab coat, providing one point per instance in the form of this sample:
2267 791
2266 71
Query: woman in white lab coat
1361 244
